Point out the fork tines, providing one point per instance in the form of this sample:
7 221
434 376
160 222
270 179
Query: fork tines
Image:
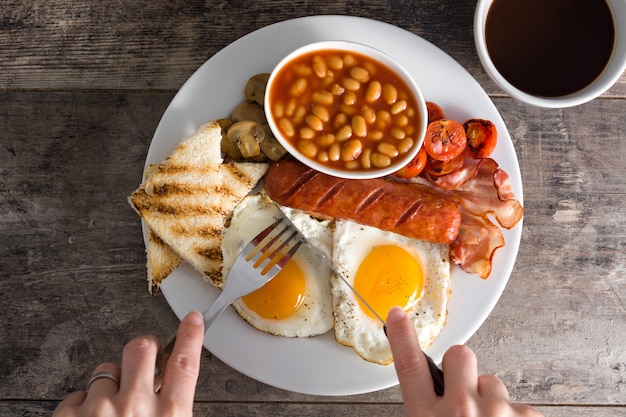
275 248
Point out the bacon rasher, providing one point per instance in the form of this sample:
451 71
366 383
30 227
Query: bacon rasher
481 189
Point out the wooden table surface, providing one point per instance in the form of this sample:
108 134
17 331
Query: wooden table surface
83 85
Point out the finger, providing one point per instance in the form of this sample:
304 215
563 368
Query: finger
104 387
416 384
75 399
183 366
525 410
138 364
460 373
491 386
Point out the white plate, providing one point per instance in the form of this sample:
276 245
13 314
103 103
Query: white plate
319 365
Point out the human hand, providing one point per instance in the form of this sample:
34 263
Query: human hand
465 394
134 393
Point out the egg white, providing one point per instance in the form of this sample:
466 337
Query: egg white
352 242
250 216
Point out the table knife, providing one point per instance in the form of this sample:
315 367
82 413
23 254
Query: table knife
435 372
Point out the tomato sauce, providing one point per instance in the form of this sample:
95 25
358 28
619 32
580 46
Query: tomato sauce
345 110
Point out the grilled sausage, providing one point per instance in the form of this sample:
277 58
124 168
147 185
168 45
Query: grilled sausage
410 210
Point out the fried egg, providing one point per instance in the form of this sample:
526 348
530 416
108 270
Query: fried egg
387 270
297 301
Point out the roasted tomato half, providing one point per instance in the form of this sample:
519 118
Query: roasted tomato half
481 137
445 139
415 167
435 112
439 168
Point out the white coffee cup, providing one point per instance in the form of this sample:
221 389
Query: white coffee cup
608 77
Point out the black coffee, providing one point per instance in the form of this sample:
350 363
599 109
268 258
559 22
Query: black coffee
550 48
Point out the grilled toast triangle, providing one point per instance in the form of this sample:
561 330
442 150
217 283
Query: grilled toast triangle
187 198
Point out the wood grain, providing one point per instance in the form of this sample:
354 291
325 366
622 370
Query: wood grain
82 89
151 45
45 408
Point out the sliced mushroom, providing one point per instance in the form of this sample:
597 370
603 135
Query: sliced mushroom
255 88
228 147
248 111
259 158
246 136
224 124
270 145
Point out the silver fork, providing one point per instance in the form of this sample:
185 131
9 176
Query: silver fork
258 262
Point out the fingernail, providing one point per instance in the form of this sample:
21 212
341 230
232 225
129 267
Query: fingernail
395 314
194 318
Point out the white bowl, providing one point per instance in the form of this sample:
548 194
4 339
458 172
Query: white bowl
379 56
607 78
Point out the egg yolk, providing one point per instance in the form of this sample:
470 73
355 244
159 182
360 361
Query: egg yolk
281 296
389 276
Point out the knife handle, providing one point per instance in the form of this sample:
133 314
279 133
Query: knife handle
161 361
436 374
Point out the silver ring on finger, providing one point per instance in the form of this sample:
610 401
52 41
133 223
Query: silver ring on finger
99 375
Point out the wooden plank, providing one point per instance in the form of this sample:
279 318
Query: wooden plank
209 409
145 45
72 274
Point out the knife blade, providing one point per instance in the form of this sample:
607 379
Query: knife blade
329 262
435 372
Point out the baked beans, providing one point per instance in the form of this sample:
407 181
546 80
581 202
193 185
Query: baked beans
344 109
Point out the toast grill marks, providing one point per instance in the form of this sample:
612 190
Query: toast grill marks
178 174
187 206
161 261
238 175
190 234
